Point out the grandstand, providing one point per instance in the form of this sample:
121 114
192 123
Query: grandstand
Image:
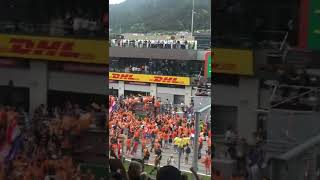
49 74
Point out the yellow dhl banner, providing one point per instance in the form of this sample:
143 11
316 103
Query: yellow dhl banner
232 61
54 49
149 78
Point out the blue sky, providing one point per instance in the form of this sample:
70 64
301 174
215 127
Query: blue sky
115 1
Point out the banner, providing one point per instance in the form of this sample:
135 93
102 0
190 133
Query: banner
314 25
149 78
54 49
232 61
208 64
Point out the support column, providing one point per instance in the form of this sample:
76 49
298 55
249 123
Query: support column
38 84
153 90
121 88
187 95
248 103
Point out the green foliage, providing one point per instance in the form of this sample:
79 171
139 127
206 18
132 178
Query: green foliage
141 16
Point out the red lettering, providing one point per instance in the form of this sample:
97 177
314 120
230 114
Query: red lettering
21 46
123 76
51 49
126 76
165 79
43 47
67 50
116 76
157 79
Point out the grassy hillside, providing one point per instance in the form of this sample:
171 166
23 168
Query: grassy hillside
140 16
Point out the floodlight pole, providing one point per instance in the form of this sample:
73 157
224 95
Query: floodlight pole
192 17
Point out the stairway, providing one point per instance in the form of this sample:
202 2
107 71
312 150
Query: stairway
276 148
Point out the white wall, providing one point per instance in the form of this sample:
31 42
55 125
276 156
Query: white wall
225 95
39 84
39 81
74 82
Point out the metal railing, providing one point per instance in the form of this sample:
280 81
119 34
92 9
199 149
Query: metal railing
158 44
196 137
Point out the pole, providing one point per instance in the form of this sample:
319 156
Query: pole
122 149
192 17
179 160
195 145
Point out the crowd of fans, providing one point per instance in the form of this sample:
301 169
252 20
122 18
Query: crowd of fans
162 44
250 159
160 128
78 23
42 146
136 172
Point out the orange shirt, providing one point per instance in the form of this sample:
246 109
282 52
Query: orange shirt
143 142
136 134
128 142
166 136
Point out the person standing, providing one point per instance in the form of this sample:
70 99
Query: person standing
188 151
157 160
207 163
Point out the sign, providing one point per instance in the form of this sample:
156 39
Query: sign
54 49
232 61
149 78
208 63
314 25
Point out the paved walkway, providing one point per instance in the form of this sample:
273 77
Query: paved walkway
166 153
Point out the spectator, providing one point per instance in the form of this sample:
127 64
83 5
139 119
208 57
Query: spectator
188 151
135 170
68 24
77 24
168 172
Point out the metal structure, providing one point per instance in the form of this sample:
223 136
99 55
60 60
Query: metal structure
196 136
192 17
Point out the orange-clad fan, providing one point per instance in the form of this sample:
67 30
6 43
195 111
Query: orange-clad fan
143 122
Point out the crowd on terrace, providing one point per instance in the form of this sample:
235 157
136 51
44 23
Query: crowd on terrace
160 44
157 67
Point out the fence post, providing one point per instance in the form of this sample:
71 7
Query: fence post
195 145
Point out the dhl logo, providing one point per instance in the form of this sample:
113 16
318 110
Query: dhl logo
43 47
122 76
163 79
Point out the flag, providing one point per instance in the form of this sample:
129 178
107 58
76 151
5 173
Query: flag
13 131
14 149
112 104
